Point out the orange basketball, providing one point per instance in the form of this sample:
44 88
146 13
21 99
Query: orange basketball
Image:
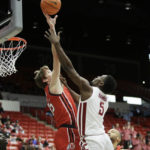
50 7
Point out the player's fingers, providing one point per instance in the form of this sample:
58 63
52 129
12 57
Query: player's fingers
56 17
45 15
46 36
47 33
59 33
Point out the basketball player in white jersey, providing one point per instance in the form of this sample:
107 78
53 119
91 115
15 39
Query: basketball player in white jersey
93 101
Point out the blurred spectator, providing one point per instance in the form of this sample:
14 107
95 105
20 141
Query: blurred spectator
143 144
127 116
148 146
117 126
147 137
17 127
51 147
7 119
39 143
133 132
3 141
2 119
8 128
126 136
8 125
24 144
32 141
118 113
137 144
45 145
133 136
13 136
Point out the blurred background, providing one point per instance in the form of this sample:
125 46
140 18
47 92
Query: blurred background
100 37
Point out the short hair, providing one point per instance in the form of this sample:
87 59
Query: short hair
110 85
39 76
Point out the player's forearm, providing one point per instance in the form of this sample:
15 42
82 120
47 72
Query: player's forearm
56 63
63 58
74 95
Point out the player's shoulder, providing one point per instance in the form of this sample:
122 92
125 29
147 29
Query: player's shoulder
100 92
95 88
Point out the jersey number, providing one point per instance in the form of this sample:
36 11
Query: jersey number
101 111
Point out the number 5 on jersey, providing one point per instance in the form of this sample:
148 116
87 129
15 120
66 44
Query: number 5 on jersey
101 111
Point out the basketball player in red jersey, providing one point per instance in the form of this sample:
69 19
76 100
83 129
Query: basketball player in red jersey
61 105
93 102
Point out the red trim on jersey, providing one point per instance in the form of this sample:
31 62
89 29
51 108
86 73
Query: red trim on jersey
119 147
71 136
80 106
84 118
62 100
69 108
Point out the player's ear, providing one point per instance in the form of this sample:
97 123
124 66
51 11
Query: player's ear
118 140
45 80
101 83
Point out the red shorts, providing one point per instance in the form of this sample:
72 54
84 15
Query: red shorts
67 139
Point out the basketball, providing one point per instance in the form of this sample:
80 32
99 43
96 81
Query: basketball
50 7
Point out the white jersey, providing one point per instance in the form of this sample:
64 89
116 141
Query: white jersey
90 122
91 113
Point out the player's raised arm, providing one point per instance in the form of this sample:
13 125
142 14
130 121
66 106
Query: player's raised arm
84 86
55 84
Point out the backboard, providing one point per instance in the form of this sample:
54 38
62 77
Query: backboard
11 22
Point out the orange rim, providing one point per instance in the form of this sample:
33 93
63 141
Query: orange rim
16 39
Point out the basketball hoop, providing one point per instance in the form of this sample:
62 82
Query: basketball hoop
10 50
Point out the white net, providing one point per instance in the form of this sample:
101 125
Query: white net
10 50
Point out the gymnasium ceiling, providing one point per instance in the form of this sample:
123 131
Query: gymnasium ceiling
112 28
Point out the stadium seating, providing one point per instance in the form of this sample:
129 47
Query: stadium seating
31 126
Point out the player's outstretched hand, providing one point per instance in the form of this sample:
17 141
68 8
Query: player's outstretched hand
52 36
51 33
51 21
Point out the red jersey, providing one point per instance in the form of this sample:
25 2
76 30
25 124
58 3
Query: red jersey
119 147
62 107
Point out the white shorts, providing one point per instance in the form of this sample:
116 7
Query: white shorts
100 142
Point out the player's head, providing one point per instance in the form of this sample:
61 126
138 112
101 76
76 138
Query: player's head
43 76
106 83
115 136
